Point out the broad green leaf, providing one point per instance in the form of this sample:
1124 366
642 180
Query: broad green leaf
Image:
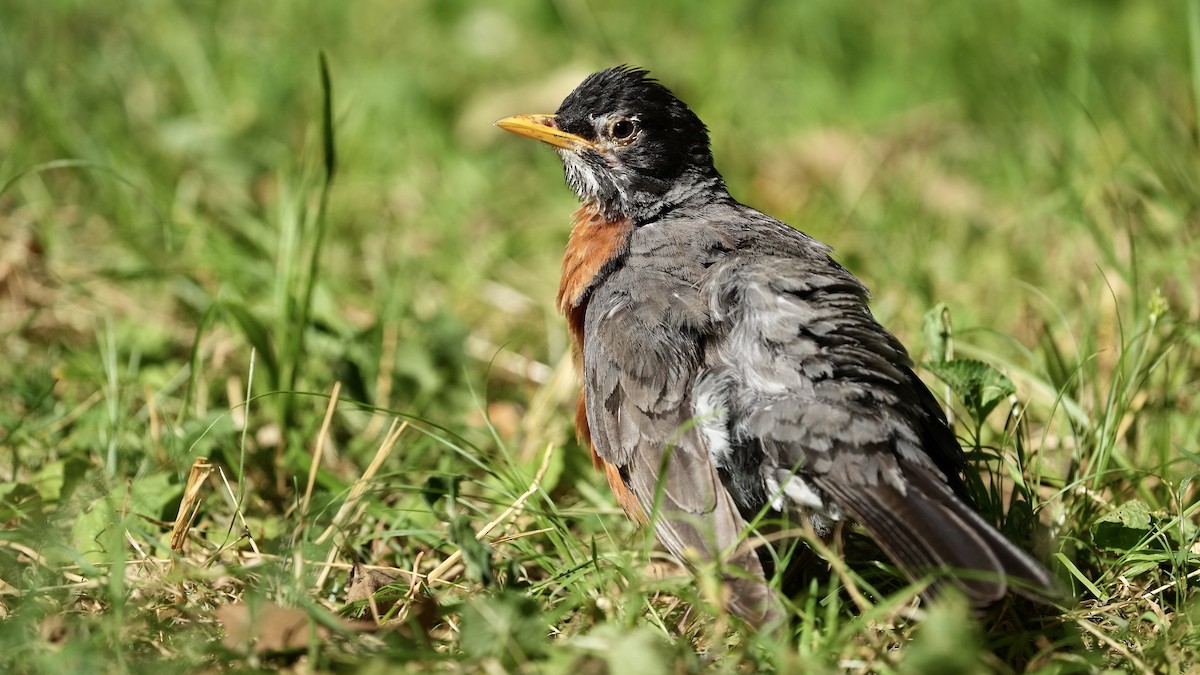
49 480
508 626
476 554
1123 528
18 500
93 530
57 480
979 386
947 641
87 532
8 490
150 495
636 652
1134 514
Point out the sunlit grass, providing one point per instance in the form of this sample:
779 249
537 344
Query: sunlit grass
179 279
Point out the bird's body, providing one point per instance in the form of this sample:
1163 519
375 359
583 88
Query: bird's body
731 368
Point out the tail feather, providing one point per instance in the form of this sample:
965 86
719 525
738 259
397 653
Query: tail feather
1034 581
926 528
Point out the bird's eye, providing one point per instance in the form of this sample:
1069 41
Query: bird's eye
622 130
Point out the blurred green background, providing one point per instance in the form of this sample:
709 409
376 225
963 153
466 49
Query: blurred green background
1031 164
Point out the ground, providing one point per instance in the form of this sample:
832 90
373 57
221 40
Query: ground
287 391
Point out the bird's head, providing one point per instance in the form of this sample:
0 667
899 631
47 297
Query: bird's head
629 147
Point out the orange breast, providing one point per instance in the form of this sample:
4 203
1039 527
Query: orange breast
594 242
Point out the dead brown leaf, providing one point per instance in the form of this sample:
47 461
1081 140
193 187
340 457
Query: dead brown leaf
54 629
266 628
190 500
365 583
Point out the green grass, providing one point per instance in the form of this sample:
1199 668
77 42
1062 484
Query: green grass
177 282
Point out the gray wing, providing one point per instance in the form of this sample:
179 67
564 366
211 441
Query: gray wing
639 365
823 403
815 379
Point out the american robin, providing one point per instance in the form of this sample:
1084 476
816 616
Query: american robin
731 368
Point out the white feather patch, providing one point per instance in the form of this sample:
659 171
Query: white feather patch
803 496
711 411
580 176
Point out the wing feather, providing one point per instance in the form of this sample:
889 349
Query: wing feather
637 385
820 388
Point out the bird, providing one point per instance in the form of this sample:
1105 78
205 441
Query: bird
731 368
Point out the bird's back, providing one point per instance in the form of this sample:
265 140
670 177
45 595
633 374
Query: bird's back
728 321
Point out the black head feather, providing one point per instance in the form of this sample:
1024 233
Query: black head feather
650 153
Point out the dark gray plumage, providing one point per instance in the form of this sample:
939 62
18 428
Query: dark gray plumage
739 347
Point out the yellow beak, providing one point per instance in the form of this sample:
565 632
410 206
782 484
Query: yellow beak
544 128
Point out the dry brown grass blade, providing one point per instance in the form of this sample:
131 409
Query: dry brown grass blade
238 509
441 570
1114 644
521 535
1147 597
190 501
833 555
319 446
559 389
410 596
356 492
360 486
383 381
